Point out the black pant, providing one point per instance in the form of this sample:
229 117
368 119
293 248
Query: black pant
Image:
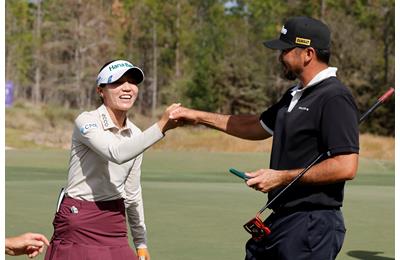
303 235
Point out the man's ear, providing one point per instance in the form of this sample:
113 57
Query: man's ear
309 55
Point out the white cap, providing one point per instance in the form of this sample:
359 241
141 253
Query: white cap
113 71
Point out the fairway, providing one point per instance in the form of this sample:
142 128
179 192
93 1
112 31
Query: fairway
194 208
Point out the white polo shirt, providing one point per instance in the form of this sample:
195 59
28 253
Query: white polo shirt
105 164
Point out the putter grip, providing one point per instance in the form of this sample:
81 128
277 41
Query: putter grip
387 94
240 174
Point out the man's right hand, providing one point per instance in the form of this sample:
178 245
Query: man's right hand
184 115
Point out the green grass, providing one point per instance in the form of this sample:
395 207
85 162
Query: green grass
194 208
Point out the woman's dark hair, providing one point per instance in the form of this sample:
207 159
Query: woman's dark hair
106 64
323 55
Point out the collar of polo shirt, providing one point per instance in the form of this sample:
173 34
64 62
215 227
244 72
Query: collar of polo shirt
297 91
107 122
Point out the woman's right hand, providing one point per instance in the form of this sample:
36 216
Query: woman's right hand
165 123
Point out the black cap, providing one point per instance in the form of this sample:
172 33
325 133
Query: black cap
302 32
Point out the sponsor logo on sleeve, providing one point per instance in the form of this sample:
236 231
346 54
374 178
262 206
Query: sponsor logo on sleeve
84 129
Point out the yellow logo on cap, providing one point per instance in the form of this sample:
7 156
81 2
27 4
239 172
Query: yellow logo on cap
303 41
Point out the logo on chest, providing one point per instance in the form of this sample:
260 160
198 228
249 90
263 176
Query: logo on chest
304 108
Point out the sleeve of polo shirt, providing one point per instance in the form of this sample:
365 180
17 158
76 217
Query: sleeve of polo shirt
268 117
339 125
134 205
108 145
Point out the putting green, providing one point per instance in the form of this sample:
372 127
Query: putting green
194 208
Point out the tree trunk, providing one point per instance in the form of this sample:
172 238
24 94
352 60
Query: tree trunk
78 60
154 82
36 88
386 43
322 10
177 49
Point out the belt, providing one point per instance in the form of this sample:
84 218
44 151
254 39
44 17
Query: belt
301 208
112 205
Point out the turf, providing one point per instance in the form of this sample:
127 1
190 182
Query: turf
194 207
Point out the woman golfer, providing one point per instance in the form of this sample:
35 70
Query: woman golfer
104 174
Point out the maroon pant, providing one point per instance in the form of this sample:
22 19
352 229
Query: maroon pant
85 230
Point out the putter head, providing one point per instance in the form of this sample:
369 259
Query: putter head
256 228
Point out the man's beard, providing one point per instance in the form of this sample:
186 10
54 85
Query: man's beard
287 74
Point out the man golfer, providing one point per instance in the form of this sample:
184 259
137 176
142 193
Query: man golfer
316 115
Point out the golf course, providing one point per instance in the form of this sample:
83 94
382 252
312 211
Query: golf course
194 207
198 88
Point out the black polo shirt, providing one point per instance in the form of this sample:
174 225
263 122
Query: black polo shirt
324 119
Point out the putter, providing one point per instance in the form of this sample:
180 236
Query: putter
256 226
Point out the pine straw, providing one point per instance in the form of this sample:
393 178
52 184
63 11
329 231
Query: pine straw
201 138
377 147
192 139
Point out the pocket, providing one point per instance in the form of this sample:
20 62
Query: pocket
339 222
326 233
64 221
316 229
339 239
340 233
66 211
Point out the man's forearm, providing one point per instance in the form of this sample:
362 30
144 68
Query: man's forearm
213 120
242 126
332 170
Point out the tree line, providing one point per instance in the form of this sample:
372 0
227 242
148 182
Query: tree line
205 54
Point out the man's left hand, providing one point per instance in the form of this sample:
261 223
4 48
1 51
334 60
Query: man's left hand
265 180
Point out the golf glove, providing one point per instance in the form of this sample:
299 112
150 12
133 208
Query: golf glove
143 254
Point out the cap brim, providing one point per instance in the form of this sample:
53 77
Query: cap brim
278 44
136 73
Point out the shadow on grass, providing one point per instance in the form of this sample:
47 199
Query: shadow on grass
367 255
